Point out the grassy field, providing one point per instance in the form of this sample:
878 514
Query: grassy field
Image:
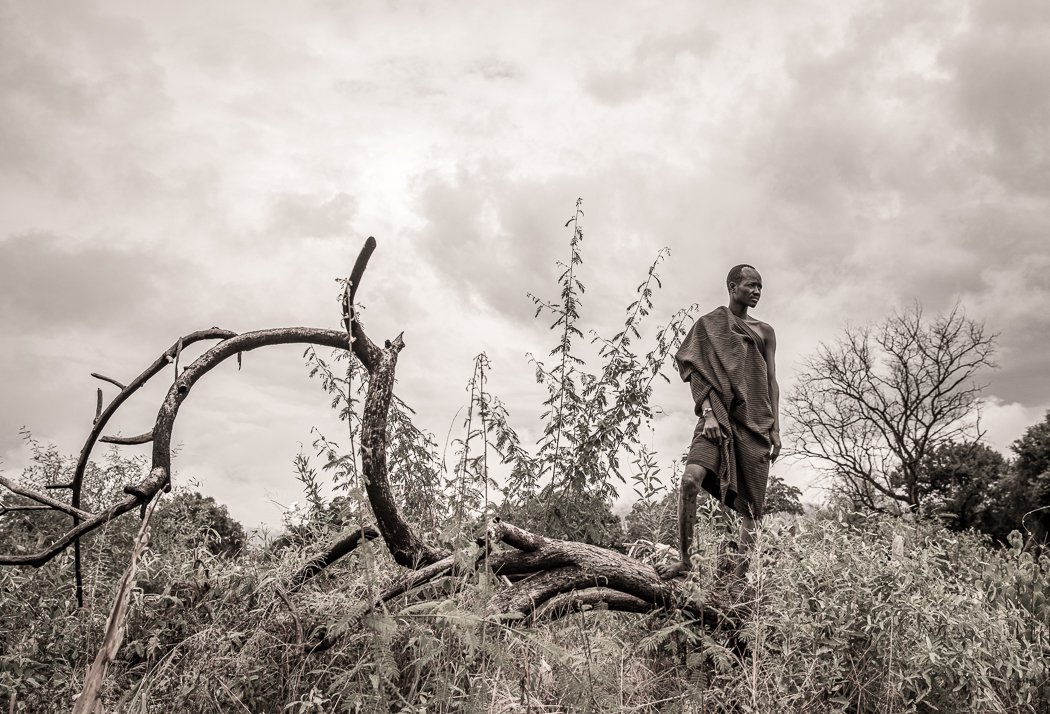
839 622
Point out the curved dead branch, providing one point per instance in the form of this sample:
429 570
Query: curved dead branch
77 484
406 546
565 567
408 549
104 378
363 348
208 361
420 577
340 547
102 417
593 599
159 475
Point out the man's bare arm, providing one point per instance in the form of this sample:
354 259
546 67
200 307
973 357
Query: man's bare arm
774 391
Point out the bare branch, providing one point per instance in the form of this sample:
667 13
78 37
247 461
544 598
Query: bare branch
295 613
88 700
407 547
500 531
363 347
14 509
128 440
419 577
401 539
84 526
112 381
161 463
212 358
213 333
77 483
340 547
51 503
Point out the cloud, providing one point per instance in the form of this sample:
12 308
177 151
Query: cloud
653 65
297 215
57 120
50 281
69 308
904 160
491 237
1005 422
1002 91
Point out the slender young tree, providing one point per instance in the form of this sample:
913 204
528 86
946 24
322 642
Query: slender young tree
593 415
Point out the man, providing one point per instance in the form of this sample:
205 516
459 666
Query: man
728 360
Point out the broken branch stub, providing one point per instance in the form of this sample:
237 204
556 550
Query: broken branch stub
408 549
128 440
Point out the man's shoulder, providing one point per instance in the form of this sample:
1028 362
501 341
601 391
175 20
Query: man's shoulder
755 322
764 329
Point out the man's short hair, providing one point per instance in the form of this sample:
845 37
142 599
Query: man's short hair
736 273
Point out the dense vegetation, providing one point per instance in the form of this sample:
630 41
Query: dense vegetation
840 623
851 607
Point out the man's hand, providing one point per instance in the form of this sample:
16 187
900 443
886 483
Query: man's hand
711 429
774 436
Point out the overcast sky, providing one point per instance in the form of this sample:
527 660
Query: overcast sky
166 167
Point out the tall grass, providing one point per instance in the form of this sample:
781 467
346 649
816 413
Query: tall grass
839 624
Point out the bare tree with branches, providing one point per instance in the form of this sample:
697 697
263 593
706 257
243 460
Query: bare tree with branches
871 406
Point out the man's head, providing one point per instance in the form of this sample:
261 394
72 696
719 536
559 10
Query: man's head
744 284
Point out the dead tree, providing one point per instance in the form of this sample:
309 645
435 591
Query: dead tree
872 407
544 578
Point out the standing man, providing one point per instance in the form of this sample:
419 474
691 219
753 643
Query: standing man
728 360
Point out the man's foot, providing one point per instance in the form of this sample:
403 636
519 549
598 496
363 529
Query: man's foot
668 571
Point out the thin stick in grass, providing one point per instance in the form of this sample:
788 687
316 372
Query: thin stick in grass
88 701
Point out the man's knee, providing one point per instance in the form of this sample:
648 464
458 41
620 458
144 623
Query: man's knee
693 479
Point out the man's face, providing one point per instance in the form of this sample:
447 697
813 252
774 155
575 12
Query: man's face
749 289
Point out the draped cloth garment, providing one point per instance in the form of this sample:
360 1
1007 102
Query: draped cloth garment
723 358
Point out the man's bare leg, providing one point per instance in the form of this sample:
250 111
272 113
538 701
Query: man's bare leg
690 488
748 531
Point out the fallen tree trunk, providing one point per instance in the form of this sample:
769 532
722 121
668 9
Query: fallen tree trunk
568 571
